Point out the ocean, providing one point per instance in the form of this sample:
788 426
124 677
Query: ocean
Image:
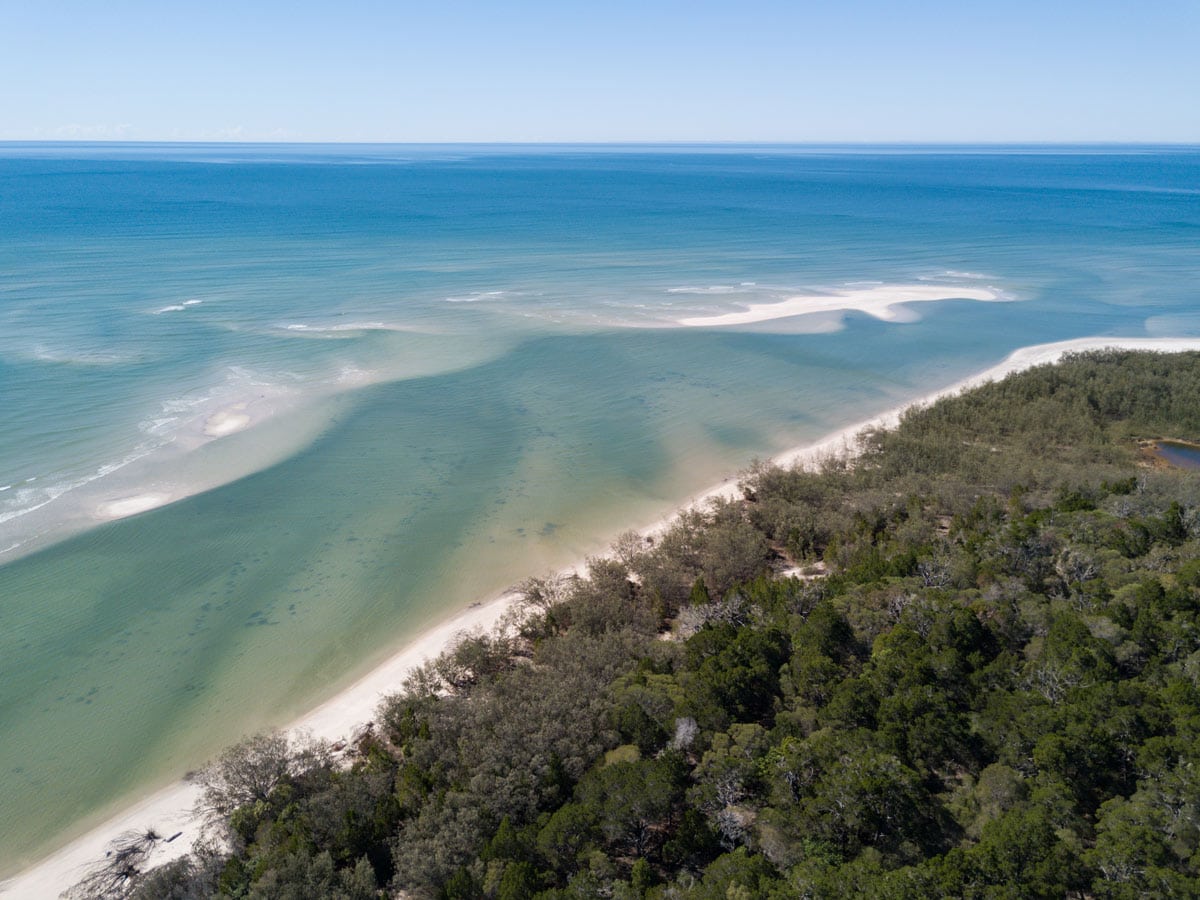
271 410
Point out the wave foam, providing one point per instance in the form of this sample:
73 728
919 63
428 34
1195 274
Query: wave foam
42 353
30 499
177 307
182 424
476 297
341 329
712 289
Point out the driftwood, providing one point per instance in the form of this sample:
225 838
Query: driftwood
123 865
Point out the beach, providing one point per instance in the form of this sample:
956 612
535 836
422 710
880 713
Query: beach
169 811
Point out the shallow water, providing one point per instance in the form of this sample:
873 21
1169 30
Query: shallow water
469 367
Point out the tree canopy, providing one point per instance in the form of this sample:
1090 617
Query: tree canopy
980 679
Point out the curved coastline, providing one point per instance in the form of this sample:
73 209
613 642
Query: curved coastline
169 810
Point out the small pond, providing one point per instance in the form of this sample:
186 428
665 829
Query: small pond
1186 456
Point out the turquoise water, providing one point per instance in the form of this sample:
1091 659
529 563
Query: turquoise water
459 366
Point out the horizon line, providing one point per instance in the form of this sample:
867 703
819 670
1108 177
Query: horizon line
604 143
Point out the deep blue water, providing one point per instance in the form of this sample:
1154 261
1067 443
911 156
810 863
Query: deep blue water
460 365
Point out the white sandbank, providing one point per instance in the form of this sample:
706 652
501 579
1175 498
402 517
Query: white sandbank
169 809
884 302
129 506
227 421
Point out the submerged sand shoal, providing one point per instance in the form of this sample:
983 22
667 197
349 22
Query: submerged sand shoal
169 810
885 302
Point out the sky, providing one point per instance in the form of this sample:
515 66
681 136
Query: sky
802 71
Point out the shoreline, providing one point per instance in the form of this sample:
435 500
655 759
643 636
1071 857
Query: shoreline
169 809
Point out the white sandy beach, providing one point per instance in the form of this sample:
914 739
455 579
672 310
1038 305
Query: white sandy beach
169 810
886 302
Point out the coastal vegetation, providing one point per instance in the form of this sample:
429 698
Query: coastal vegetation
964 662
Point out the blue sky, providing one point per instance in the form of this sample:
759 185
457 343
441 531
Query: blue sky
529 70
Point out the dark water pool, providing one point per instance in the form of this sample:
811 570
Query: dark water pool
1186 456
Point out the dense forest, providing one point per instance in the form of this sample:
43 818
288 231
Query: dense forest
964 662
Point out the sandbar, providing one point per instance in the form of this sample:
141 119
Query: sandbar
169 809
884 302
226 421
130 506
